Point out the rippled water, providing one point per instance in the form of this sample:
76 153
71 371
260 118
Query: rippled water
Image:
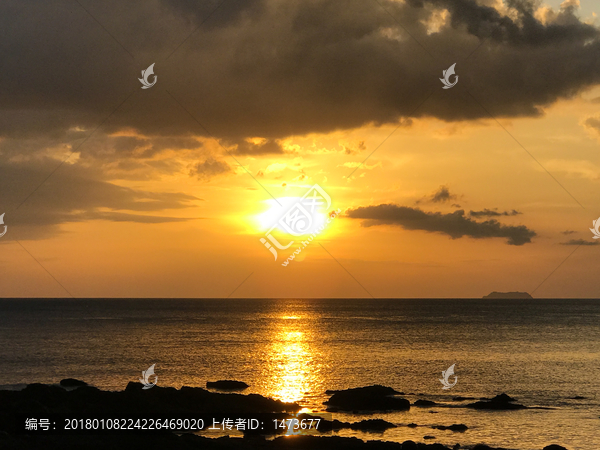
541 351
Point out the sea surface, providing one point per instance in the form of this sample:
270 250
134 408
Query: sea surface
543 352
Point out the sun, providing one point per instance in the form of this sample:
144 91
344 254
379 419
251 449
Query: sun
278 208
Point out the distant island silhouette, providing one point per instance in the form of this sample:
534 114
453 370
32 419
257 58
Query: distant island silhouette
506 295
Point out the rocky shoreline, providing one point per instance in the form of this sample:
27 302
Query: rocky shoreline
76 398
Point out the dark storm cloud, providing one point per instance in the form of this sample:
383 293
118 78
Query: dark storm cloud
455 224
278 68
493 213
487 23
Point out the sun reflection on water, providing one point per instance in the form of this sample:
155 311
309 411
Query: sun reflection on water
293 368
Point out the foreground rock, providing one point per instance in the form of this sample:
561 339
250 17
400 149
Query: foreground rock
191 442
72 382
134 400
459 427
424 403
367 399
500 402
227 385
39 399
508 295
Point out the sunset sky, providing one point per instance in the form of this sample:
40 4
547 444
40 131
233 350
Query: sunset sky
111 190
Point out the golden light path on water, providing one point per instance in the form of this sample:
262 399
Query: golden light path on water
293 369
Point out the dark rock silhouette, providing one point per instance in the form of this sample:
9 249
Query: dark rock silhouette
554 447
44 399
459 427
424 403
507 295
369 398
192 442
461 399
227 385
134 400
499 402
72 382
372 425
503 398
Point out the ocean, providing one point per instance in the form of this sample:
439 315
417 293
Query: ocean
543 352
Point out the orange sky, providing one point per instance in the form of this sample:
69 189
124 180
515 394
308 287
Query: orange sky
199 235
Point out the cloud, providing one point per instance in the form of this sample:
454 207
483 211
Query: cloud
276 69
567 232
353 148
493 213
455 224
442 195
210 168
265 147
74 194
268 68
592 124
580 242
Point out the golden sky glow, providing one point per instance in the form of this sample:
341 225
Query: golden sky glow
209 208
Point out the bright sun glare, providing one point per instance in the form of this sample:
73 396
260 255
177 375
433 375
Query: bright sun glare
277 210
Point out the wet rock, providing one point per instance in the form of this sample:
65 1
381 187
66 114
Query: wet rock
372 425
135 400
369 398
503 398
72 382
227 385
412 425
409 445
424 403
459 427
428 437
499 402
577 397
554 447
462 399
